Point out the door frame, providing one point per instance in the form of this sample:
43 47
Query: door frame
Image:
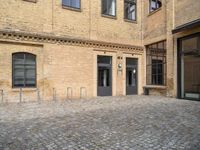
97 52
136 75
179 69
108 66
141 71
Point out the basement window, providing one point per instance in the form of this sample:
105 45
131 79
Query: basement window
154 5
76 4
109 7
23 70
33 1
130 9
156 64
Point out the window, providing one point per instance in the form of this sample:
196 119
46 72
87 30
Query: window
154 5
103 77
130 9
34 1
109 7
72 3
24 70
157 72
156 63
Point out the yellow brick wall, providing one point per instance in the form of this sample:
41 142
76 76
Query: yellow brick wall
186 11
154 24
68 66
50 17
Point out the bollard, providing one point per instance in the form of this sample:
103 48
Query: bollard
83 92
54 94
69 93
20 95
38 96
2 96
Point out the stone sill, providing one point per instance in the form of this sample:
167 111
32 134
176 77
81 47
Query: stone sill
155 11
71 8
131 21
24 89
155 87
109 16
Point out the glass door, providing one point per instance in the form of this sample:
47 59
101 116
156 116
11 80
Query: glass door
131 76
104 87
190 67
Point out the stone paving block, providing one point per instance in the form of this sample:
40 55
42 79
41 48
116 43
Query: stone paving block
132 122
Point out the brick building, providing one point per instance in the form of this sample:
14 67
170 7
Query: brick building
63 49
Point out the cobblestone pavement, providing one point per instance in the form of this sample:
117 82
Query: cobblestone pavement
132 122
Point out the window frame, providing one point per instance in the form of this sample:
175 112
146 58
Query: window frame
155 66
108 15
179 57
157 8
25 86
125 17
32 1
71 7
156 53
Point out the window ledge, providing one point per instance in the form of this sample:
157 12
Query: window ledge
131 21
71 8
109 16
155 11
155 87
25 89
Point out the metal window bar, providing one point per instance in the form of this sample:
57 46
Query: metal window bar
154 52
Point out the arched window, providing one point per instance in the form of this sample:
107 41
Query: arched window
23 70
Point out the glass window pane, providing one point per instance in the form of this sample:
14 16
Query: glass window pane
24 70
66 2
130 10
108 7
19 73
71 3
19 82
30 60
155 4
75 3
104 59
190 44
103 77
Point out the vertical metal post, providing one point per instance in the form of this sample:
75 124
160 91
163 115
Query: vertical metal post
20 95
69 92
2 96
83 92
54 94
38 95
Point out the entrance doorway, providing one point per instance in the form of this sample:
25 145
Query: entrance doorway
131 76
104 87
189 67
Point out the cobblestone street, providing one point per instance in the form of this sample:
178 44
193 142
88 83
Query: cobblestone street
132 122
